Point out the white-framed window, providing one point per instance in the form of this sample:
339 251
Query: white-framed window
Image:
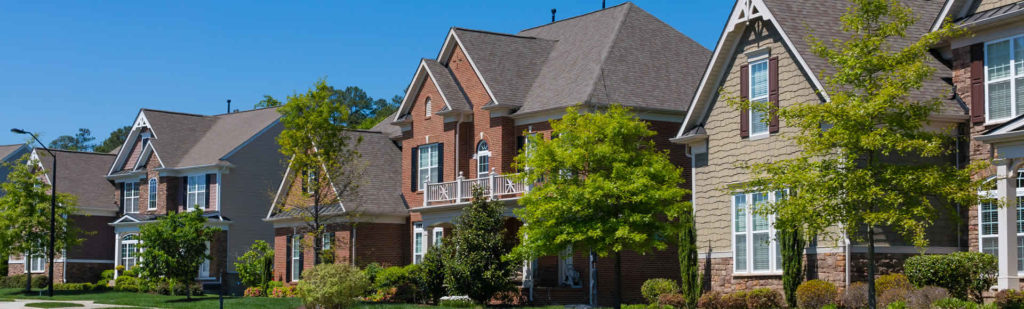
129 251
204 268
428 107
311 182
483 160
38 260
152 194
418 248
438 236
755 241
428 168
758 94
988 223
131 197
196 192
296 257
1004 78
326 240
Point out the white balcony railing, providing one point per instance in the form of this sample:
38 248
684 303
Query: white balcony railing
494 185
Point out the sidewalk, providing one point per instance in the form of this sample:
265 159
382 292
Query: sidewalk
20 303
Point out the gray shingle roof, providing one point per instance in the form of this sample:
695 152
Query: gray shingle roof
184 140
1006 11
387 128
508 63
450 90
8 150
81 174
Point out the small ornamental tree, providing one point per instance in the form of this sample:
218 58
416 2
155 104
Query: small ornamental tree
474 265
689 273
792 245
256 267
25 214
867 158
174 247
602 186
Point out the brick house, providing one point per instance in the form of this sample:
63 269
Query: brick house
80 174
764 54
10 154
368 223
224 165
467 111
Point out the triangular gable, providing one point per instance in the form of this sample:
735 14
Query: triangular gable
742 13
287 182
148 151
422 72
125 151
126 218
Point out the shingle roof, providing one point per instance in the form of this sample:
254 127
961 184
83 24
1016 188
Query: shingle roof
184 140
81 174
1009 10
387 128
450 90
508 63
7 150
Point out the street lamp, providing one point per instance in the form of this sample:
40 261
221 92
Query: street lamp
53 204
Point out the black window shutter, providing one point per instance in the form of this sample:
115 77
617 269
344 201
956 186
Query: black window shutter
302 255
123 208
440 163
415 166
288 258
184 193
209 178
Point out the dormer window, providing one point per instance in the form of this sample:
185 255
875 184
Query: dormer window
429 108
144 138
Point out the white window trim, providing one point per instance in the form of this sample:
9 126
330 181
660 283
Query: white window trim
204 268
38 262
132 198
430 149
750 85
296 258
1011 78
152 196
199 192
773 262
428 108
326 240
480 154
992 194
421 250
437 235
121 260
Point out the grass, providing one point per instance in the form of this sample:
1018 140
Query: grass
160 301
53 305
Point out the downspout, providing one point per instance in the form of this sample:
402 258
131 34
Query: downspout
458 127
352 246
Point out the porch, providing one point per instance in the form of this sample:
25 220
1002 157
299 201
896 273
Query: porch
1007 142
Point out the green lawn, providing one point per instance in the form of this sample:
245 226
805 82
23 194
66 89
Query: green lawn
161 301
52 305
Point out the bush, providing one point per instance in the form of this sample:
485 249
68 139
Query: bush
282 291
674 300
371 270
856 296
964 274
163 288
253 292
429 276
891 296
197 289
892 281
1010 299
392 277
652 289
274 284
735 300
456 302
256 266
815 294
896 305
179 289
764 298
332 286
710 300
126 284
18 281
106 276
79 287
955 303
397 284
923 298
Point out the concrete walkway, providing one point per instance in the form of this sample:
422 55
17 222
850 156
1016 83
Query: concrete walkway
20 303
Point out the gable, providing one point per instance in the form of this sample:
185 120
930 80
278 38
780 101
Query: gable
467 78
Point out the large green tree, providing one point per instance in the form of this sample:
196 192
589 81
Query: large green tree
79 142
474 265
364 111
25 213
175 246
602 186
116 139
868 159
256 267
267 101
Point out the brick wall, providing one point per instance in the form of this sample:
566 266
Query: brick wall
383 243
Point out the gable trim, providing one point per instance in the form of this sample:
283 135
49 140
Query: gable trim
446 52
277 196
743 12
148 150
942 15
122 155
417 79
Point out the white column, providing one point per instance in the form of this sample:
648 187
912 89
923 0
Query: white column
117 253
1006 190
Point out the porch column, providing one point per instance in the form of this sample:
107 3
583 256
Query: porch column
1006 190
117 253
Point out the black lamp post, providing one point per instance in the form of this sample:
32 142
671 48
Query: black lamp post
53 205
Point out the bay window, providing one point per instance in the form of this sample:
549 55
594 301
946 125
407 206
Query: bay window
1004 78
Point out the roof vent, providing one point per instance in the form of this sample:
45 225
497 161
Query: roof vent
553 15
229 106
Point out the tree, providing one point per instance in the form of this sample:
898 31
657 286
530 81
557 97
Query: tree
689 273
475 266
868 161
256 267
116 139
175 246
382 109
603 186
430 274
792 245
79 142
323 151
25 213
268 101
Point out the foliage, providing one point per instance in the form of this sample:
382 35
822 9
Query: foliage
791 243
332 286
139 300
282 292
393 276
734 300
106 276
253 291
709 300
126 283
474 265
25 212
962 273
855 296
53 305
116 139
899 304
78 142
174 246
653 288
456 302
79 287
371 270
923 298
327 256
19 281
1010 299
429 276
397 283
764 298
256 267
816 294
674 300
267 101
689 273
897 294
956 303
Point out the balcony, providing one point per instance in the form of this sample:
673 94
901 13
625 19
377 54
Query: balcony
495 186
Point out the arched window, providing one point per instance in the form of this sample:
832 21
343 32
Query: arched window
152 194
483 159
429 107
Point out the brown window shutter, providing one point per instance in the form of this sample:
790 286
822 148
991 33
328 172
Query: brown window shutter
978 83
744 96
210 178
440 163
288 258
773 93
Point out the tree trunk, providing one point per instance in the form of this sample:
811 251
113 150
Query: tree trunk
28 273
871 267
618 280
316 224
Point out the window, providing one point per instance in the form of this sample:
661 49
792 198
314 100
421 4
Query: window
1004 78
417 243
38 263
988 223
311 182
428 164
196 193
131 197
428 107
296 257
145 139
759 94
152 194
129 251
754 238
438 236
204 268
326 240
483 160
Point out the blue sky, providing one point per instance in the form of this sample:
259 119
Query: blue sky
93 64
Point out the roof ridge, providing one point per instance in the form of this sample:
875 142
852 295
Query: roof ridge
245 111
14 145
604 55
77 151
172 112
578 16
499 33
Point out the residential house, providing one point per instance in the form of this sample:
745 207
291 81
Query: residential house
10 154
224 165
467 112
366 219
81 175
765 54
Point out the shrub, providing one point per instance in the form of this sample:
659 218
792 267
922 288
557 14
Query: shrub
896 305
955 303
764 298
815 294
253 292
735 300
371 270
106 276
397 284
429 276
197 289
652 289
79 287
964 274
923 298
891 281
474 263
332 286
282 291
710 300
256 266
392 277
856 296
179 288
327 256
1010 299
126 284
892 296
674 300
163 287
274 284
456 302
